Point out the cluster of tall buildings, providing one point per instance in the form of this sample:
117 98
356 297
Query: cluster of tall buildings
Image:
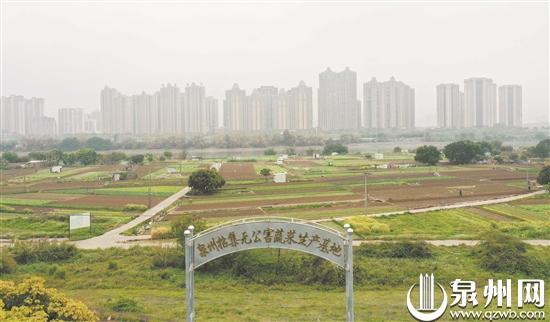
170 110
25 116
167 111
477 105
268 108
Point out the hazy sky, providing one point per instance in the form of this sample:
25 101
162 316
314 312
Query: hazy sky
66 53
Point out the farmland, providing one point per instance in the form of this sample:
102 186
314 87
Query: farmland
317 189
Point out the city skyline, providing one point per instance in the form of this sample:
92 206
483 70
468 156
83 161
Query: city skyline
386 105
289 42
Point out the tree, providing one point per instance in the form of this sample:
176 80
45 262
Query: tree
270 151
205 181
427 154
168 155
35 155
86 156
331 147
544 175
99 144
183 154
149 157
137 159
69 144
290 151
542 149
462 152
266 172
11 157
114 157
397 150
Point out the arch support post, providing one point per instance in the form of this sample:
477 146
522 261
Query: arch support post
349 274
189 276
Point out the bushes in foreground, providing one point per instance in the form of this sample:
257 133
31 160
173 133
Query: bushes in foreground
41 251
507 254
413 250
7 263
30 300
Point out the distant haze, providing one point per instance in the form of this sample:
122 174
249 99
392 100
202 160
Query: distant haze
67 53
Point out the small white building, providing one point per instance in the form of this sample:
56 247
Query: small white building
279 161
284 156
316 156
171 170
378 156
334 153
56 169
279 177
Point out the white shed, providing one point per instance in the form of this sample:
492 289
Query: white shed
279 177
378 156
56 169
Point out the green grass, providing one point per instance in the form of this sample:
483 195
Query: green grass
24 226
45 174
522 212
159 191
23 202
91 176
159 292
448 224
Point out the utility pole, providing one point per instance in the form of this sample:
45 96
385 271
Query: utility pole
366 195
149 190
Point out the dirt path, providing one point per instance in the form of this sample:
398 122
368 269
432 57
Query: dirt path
113 237
453 206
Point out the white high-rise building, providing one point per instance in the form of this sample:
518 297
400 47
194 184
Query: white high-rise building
194 116
112 111
234 109
479 102
510 105
299 108
337 100
43 126
70 121
211 113
171 111
17 114
389 104
450 106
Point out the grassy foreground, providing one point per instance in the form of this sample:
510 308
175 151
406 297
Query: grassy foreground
131 285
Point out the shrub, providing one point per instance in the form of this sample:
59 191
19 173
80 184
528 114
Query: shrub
112 266
135 207
7 263
506 254
169 257
125 304
42 251
181 224
415 250
270 151
161 232
427 154
30 300
365 225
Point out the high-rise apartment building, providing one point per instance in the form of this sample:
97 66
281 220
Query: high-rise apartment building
388 105
510 105
268 108
211 113
70 121
43 126
17 114
168 111
450 106
337 100
479 102
299 108
234 109
193 105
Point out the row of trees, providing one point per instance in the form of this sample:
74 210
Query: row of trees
464 152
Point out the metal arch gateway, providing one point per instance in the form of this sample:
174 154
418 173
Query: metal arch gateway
267 232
